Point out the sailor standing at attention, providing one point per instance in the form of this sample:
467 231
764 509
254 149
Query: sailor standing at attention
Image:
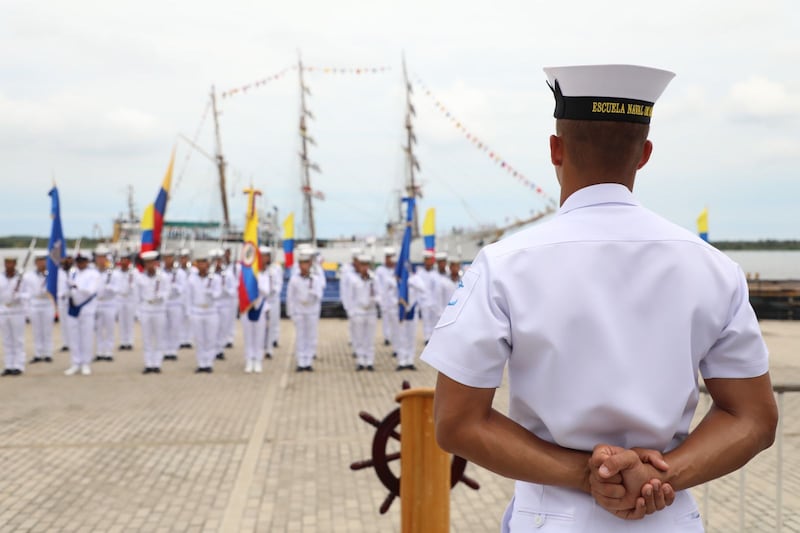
275 287
230 288
303 297
106 314
364 313
176 306
346 275
254 320
13 301
203 289
152 289
232 271
125 281
384 276
407 328
428 302
41 310
63 298
84 283
186 325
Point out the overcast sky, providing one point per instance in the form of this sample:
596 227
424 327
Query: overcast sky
96 93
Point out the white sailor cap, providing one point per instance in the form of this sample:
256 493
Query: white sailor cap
441 256
355 251
389 250
168 252
101 250
41 254
304 255
265 249
80 255
364 258
10 257
185 252
622 93
427 253
201 256
215 253
150 255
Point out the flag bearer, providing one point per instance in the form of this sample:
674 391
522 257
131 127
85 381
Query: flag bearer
13 301
107 304
407 329
254 320
41 310
152 289
125 278
384 277
63 299
275 287
303 297
176 306
203 289
364 313
83 285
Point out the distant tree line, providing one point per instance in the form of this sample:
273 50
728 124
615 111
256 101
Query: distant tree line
23 241
767 244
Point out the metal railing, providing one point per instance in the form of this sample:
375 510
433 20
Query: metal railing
780 390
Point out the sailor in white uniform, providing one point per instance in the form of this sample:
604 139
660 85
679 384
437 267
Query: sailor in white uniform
363 298
203 289
303 297
186 324
275 271
604 316
13 302
384 277
176 306
232 271
63 297
254 319
124 282
84 282
429 305
225 312
42 310
152 289
346 275
449 283
106 314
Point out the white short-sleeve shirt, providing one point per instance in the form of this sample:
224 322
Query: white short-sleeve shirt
604 316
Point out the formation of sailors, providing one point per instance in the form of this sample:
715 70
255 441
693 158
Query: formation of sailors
185 302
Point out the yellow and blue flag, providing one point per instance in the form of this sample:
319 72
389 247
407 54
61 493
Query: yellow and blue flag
250 260
288 241
702 224
429 229
153 218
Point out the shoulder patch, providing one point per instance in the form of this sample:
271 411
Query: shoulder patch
459 298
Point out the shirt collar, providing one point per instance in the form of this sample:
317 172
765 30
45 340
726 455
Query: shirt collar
602 193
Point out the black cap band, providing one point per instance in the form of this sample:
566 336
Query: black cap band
601 108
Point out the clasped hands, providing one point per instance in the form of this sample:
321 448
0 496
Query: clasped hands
626 482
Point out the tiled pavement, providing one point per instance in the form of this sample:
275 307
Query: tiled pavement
121 451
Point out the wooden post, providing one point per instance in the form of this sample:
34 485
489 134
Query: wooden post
424 467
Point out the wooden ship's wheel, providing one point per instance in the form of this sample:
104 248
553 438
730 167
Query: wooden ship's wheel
386 433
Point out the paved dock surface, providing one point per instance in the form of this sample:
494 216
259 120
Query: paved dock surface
181 452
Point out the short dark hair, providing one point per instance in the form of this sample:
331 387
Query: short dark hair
608 149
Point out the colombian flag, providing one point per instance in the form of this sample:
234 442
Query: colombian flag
702 224
250 260
153 218
288 241
429 229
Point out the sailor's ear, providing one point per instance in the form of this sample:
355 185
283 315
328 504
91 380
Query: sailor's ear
556 150
647 151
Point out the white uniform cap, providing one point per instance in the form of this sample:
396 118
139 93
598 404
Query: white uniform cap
364 258
265 249
355 251
427 253
168 252
185 251
101 250
441 255
200 256
304 255
10 258
215 253
389 250
622 93
80 254
150 255
41 254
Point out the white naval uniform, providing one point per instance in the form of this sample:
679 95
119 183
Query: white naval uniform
225 311
606 293
346 276
429 307
41 311
13 302
254 321
384 276
106 314
274 319
185 334
303 297
390 310
447 286
176 310
202 292
229 327
82 293
125 280
62 282
151 293
406 344
364 316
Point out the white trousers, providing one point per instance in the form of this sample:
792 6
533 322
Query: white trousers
205 326
273 322
62 319
104 329
254 332
81 337
42 328
127 312
364 337
174 329
306 330
230 319
221 336
430 316
386 326
153 325
186 328
12 331
406 341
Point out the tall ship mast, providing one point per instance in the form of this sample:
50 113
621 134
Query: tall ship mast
220 162
413 190
306 165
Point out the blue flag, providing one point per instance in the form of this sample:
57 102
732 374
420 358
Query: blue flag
403 268
55 247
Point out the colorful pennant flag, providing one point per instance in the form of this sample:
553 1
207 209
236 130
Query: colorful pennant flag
153 218
56 248
429 229
702 224
403 267
250 260
288 241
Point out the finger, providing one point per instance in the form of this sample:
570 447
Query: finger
637 513
617 463
608 490
669 494
658 496
654 458
594 478
649 498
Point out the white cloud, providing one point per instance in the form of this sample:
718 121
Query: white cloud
762 98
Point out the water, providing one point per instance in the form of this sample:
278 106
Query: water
768 264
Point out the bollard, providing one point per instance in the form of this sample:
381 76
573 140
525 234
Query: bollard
425 483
